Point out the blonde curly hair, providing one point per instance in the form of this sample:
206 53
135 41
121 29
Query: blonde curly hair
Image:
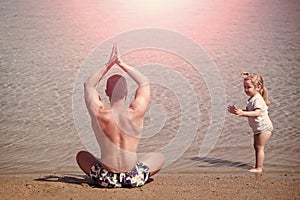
257 81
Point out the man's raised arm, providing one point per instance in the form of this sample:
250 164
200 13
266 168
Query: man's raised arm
91 96
142 95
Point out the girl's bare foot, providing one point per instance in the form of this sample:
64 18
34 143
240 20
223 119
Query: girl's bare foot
255 170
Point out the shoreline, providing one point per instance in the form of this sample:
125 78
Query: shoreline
224 173
161 186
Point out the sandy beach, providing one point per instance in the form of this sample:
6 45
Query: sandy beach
164 186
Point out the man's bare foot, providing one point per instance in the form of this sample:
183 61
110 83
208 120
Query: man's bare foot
255 170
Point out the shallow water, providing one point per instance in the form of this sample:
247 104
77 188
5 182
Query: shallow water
44 44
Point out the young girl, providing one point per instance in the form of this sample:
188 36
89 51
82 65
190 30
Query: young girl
257 114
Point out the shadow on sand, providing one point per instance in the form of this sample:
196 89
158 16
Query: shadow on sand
215 162
73 179
69 178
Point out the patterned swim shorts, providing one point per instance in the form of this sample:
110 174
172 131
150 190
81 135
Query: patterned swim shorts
134 178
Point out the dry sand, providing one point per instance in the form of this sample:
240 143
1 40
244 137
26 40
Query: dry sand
162 186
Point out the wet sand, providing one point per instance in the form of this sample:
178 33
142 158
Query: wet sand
161 186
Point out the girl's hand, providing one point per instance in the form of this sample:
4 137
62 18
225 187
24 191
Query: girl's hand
234 110
231 109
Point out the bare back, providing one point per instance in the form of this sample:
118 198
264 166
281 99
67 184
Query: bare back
118 135
118 128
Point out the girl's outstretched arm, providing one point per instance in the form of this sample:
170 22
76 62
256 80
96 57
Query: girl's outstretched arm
243 113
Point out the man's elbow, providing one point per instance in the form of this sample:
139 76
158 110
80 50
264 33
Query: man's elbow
86 87
146 81
86 84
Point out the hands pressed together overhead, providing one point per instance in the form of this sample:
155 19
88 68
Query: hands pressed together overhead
114 58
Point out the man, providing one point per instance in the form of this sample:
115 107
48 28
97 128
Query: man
118 129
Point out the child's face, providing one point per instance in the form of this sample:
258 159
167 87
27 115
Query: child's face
249 88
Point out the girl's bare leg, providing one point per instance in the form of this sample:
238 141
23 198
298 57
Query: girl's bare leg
260 141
